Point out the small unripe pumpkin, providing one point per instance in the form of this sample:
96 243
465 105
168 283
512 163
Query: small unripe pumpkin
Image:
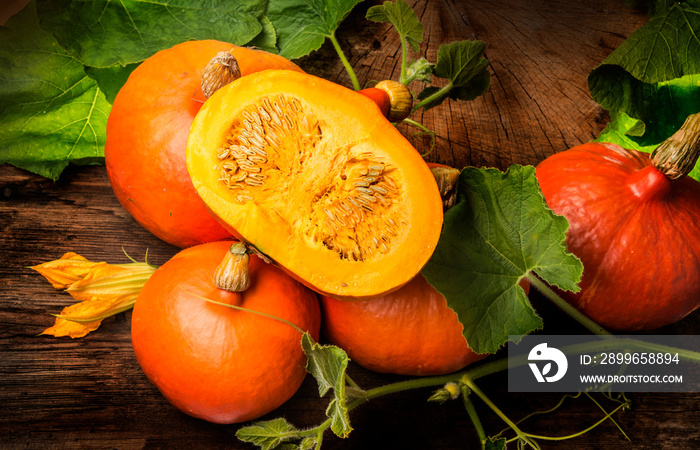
635 224
213 362
147 134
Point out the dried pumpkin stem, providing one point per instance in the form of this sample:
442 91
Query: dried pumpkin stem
221 70
447 179
676 156
233 273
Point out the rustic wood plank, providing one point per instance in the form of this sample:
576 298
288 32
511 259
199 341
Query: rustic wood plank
62 393
540 53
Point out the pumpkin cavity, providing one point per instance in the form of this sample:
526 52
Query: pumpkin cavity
344 197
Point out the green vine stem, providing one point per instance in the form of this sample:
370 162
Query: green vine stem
437 95
241 308
346 63
574 313
623 405
404 58
471 411
474 388
423 132
580 433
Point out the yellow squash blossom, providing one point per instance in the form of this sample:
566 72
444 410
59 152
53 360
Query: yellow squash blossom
102 289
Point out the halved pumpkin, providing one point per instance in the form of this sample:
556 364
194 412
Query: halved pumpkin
312 175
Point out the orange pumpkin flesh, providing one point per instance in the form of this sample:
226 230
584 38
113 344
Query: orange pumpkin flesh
314 177
411 331
147 134
217 363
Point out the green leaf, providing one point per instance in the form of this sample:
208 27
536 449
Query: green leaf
51 112
478 85
269 434
499 231
328 364
402 17
303 25
267 39
495 444
111 79
621 130
102 33
419 70
665 48
461 61
308 443
463 64
665 107
651 83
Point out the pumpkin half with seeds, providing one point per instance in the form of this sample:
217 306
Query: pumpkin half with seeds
313 176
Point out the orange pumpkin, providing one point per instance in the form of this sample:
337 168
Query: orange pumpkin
312 175
147 134
394 99
217 363
411 331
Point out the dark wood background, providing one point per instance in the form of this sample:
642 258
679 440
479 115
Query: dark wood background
90 392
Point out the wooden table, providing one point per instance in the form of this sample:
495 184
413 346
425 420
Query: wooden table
90 392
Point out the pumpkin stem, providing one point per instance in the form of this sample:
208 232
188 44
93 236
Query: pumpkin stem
221 70
232 274
447 179
676 156
400 99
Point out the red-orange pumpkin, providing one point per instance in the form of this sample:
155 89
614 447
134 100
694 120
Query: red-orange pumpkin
147 134
635 229
217 363
411 331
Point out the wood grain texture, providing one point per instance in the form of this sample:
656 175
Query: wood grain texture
541 53
90 393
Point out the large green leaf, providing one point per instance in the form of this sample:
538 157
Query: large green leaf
499 231
665 48
666 105
51 112
303 25
651 83
267 39
111 79
101 33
